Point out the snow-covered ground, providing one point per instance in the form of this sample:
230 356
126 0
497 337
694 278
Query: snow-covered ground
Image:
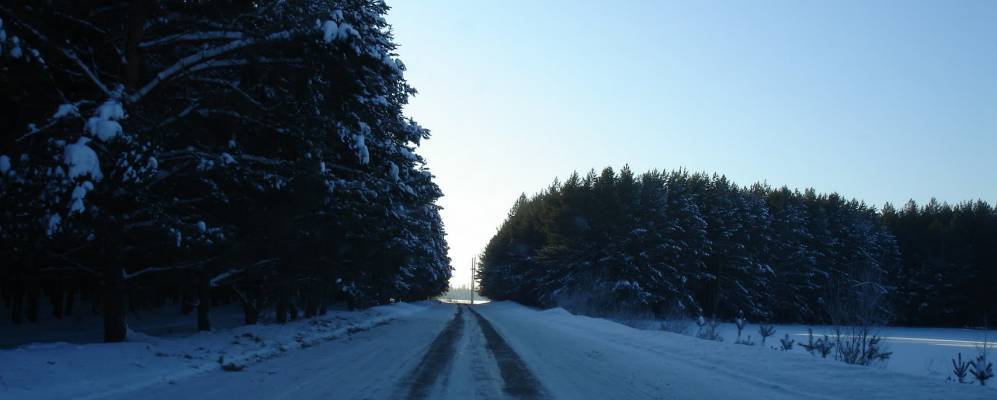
62 370
582 357
917 351
447 351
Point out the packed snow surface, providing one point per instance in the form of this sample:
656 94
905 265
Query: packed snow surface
63 370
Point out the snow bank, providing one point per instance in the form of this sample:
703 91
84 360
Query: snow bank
64 370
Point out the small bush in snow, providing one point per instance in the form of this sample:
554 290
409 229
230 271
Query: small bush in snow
822 346
740 323
981 368
765 331
859 346
787 343
746 342
709 330
960 368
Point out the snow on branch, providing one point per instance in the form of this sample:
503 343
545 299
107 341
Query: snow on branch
202 56
191 37
193 265
234 271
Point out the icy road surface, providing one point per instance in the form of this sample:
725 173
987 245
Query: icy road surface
508 351
444 352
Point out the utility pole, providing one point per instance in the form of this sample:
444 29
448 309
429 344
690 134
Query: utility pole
473 262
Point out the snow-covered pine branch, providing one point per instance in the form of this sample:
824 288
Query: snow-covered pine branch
191 37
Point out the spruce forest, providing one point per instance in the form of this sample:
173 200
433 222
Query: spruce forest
692 244
199 153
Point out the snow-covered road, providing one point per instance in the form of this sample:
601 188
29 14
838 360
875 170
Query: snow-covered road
505 350
446 351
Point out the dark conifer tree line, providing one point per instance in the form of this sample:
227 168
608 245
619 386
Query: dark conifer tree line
698 244
157 152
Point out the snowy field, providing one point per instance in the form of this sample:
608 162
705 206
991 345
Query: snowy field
631 363
433 350
916 351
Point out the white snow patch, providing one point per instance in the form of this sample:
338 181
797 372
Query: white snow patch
332 31
178 236
228 159
66 110
360 145
82 160
580 357
15 52
76 204
89 371
53 224
104 123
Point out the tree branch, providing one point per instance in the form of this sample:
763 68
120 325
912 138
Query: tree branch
201 56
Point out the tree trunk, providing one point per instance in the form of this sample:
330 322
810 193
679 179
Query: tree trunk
258 301
250 312
70 299
186 298
17 303
115 327
56 293
5 286
323 305
311 300
203 304
351 303
34 294
282 302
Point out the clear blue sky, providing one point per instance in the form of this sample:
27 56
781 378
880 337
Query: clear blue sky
877 100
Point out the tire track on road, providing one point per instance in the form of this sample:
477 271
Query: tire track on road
519 380
437 361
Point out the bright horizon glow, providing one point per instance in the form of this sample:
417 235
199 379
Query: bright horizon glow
882 101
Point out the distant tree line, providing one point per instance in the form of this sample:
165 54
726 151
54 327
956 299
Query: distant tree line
157 152
698 244
948 269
